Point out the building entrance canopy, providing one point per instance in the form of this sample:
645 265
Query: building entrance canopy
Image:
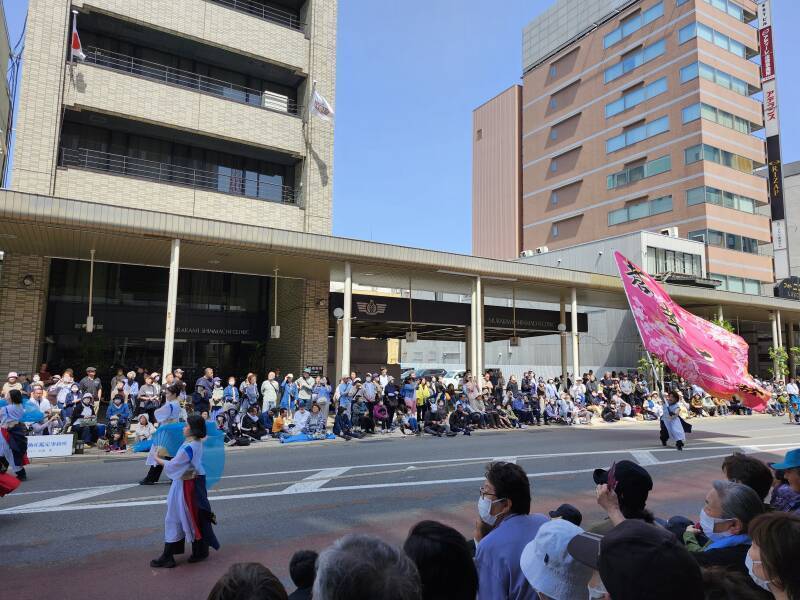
386 317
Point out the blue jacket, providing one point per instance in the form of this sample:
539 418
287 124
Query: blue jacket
123 411
342 424
231 394
497 559
289 395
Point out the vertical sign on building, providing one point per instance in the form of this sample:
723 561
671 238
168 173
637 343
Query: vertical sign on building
772 133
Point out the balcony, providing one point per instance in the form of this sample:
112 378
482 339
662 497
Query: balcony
262 11
227 181
185 79
150 93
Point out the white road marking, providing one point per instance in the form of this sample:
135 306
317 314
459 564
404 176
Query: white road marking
508 459
58 501
644 457
349 488
315 481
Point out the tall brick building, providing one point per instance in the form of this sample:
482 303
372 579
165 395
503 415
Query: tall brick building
195 108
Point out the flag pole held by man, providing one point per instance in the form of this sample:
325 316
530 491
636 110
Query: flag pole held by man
697 350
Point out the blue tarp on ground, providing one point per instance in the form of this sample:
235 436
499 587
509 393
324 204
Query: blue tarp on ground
304 437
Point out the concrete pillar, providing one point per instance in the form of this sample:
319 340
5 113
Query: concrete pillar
779 328
576 365
479 344
172 303
337 361
468 341
719 312
562 334
347 320
775 344
790 342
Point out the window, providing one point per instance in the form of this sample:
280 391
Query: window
715 37
729 241
554 134
640 210
734 10
553 165
637 96
635 173
554 230
634 59
553 71
680 2
721 157
479 135
637 134
633 24
553 103
716 76
554 197
711 113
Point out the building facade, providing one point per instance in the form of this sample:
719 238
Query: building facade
5 96
196 108
639 115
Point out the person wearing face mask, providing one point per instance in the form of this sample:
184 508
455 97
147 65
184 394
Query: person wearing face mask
729 508
504 503
772 559
84 420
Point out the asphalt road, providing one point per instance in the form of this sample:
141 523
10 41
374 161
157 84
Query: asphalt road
83 528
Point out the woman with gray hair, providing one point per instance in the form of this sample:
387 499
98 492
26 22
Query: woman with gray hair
363 567
725 517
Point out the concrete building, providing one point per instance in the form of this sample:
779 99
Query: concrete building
638 115
195 108
5 96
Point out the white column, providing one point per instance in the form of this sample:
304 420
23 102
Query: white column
576 365
479 345
473 329
347 319
468 342
172 302
779 327
562 334
774 321
719 312
790 342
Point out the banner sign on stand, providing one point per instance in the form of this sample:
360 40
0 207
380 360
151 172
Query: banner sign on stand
46 446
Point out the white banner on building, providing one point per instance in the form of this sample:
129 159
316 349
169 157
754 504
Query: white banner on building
45 446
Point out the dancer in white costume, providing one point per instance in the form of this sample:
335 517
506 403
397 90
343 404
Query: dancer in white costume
672 426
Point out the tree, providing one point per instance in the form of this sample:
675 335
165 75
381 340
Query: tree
726 325
780 360
646 370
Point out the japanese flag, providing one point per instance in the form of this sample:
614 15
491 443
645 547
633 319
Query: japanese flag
76 49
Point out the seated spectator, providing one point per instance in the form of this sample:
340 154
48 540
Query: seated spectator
521 408
84 420
720 583
729 508
651 407
737 408
381 415
267 418
342 427
697 406
248 581
200 399
630 484
505 503
722 406
507 417
568 513
444 561
118 408
217 397
361 418
550 412
750 471
407 421
772 558
300 418
709 408
609 412
116 435
302 570
459 422
550 568
433 422
51 423
251 425
315 425
789 471
362 567
280 426
144 429
638 561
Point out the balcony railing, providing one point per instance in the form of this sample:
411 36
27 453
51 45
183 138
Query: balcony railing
186 79
225 180
268 13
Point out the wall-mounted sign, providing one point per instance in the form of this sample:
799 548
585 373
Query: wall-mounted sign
788 288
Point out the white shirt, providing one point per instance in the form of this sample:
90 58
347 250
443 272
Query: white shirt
44 404
792 389
383 380
301 420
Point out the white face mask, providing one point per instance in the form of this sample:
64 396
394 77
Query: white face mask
597 592
762 583
708 524
484 510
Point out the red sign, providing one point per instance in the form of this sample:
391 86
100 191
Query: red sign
767 57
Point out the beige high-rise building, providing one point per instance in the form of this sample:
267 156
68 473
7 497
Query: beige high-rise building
639 115
191 107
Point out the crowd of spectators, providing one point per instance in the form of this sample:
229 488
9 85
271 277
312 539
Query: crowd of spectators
744 544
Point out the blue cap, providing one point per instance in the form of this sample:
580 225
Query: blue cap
790 461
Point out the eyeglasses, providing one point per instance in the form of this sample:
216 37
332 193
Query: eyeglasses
484 493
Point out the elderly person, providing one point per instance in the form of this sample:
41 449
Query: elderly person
361 567
729 507
315 425
12 383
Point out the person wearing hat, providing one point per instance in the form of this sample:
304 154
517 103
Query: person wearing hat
567 512
789 468
305 388
84 419
91 384
622 491
637 561
12 383
550 568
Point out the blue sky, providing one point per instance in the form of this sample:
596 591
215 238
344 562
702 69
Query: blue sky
409 75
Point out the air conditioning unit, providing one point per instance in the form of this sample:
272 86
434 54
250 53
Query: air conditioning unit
411 337
542 250
669 232
526 253
514 341
275 101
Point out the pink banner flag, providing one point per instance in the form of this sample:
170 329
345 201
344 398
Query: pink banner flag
702 353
